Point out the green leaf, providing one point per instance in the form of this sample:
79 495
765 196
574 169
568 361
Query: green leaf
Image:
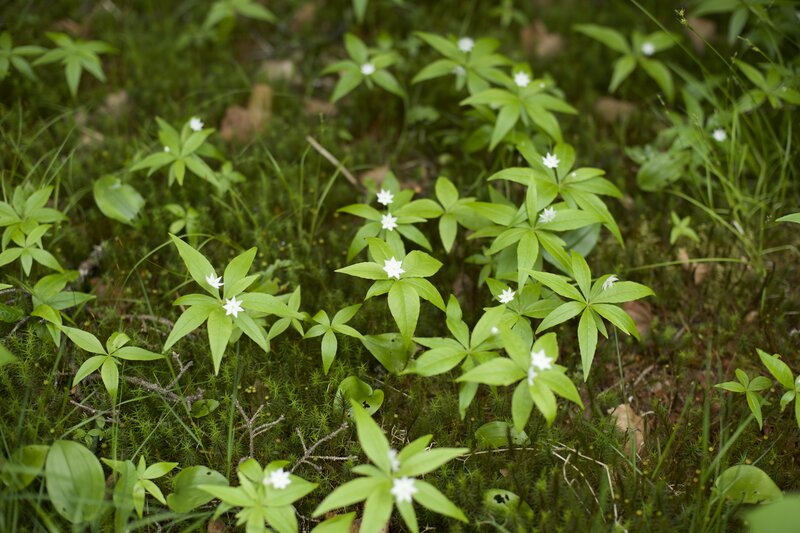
429 496
351 492
340 523
371 437
506 119
498 434
404 306
778 369
366 270
428 460
587 340
746 484
611 38
559 383
622 69
196 263
544 400
660 74
521 406
499 371
187 494
75 481
623 291
377 510
220 328
110 375
23 466
794 217
84 340
117 200
189 321
560 314
329 346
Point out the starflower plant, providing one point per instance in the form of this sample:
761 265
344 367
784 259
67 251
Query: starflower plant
107 358
16 56
396 223
593 302
76 56
265 496
474 63
327 328
135 482
638 52
364 67
554 174
49 300
392 479
181 151
402 278
522 99
534 225
29 249
26 212
464 348
223 10
540 379
455 211
228 313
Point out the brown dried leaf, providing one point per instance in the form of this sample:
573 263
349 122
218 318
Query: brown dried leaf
216 526
612 109
315 106
278 70
628 422
304 16
683 257
642 315
704 30
702 270
375 175
537 39
116 104
243 124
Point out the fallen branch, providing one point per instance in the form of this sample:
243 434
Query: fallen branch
308 453
335 162
250 425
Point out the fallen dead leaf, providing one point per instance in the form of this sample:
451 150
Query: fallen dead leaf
704 30
376 175
642 315
116 104
304 16
315 106
612 109
280 70
683 257
243 124
538 40
701 270
628 422
216 526
751 316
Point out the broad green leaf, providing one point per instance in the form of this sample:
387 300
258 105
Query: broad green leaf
84 340
187 494
429 496
611 38
404 306
587 340
117 200
429 460
371 437
499 371
220 328
746 484
196 263
75 481
778 369
351 492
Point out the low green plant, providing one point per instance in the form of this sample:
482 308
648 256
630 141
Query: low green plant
181 151
402 278
593 302
16 56
392 479
365 66
228 315
76 56
327 328
135 482
637 52
265 496
107 359
227 11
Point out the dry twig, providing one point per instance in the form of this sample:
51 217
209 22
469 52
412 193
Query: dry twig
250 425
308 452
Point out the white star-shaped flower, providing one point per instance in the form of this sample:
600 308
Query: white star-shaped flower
394 462
648 48
385 197
403 489
548 215
550 160
719 135
367 69
610 281
506 296
458 70
233 307
388 222
278 478
522 79
393 268
195 124
540 361
465 44
214 280
166 149
495 331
